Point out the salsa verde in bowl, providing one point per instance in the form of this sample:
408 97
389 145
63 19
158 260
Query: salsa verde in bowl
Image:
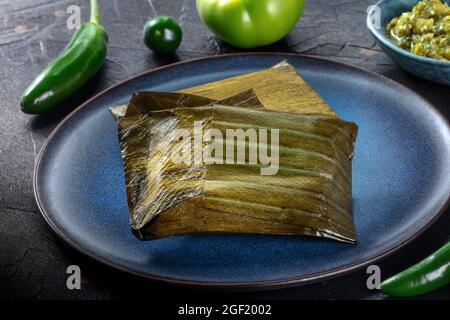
381 21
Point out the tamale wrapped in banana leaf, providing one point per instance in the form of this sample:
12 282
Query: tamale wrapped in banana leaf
308 193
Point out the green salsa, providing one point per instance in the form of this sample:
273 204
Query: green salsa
424 31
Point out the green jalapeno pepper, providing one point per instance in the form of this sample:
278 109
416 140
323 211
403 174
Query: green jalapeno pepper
423 277
80 60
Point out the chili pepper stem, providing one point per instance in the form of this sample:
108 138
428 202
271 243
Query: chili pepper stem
95 17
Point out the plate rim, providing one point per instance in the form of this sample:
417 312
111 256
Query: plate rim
255 285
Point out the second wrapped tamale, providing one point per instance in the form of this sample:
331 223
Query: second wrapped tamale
279 88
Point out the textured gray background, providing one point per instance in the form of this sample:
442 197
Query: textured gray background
32 32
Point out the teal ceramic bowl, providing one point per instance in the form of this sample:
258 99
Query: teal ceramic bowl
379 16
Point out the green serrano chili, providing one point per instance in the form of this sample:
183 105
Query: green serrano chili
423 277
80 60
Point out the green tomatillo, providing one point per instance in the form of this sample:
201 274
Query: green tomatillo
250 23
162 34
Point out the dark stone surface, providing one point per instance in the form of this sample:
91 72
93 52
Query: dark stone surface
32 32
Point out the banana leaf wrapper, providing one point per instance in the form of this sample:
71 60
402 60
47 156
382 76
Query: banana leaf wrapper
279 88
138 131
142 102
310 195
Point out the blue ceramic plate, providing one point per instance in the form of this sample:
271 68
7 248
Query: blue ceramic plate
400 184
